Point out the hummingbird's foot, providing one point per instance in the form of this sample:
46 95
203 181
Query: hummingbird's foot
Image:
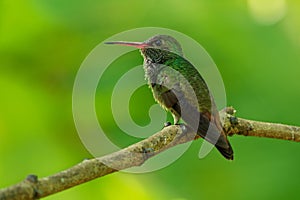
166 124
185 131
147 152
32 178
183 127
233 120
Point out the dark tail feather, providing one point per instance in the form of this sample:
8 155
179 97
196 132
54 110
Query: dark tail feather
204 128
211 133
215 136
225 150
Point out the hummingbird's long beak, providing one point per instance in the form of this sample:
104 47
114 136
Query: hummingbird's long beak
138 45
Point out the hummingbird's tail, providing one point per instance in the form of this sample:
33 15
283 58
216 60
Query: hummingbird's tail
224 147
219 139
212 131
208 127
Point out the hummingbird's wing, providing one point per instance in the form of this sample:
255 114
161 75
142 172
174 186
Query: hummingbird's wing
180 89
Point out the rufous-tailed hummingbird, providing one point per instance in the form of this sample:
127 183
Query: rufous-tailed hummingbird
179 88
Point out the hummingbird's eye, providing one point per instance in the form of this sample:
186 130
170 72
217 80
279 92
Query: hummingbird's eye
158 42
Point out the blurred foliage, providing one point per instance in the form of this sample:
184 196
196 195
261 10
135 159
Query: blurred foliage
255 45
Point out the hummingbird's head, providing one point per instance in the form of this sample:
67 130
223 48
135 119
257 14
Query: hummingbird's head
163 42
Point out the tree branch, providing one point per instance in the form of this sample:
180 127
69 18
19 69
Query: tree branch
137 154
239 126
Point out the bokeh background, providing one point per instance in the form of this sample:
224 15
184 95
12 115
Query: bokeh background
254 43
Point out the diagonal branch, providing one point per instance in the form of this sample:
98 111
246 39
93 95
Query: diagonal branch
137 154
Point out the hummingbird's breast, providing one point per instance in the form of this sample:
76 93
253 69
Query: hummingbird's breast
151 64
151 71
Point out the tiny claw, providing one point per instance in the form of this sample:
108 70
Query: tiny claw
233 120
183 128
32 178
166 124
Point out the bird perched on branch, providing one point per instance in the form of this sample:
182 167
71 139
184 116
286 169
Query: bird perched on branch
179 88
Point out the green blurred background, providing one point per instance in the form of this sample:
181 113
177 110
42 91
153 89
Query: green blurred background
255 44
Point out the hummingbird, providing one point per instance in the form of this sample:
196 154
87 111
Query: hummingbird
178 87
